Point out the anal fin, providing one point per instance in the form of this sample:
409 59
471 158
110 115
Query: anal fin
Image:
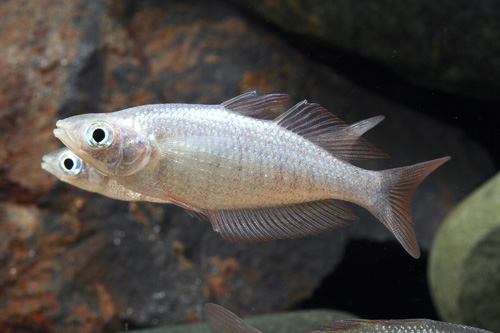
262 224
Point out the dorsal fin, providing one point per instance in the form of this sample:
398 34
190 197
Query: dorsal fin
363 126
221 320
316 124
254 105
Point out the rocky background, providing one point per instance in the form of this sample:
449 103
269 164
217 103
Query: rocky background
76 261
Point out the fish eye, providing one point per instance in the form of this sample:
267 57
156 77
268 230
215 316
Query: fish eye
71 165
99 135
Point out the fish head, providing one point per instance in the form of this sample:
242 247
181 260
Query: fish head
108 146
67 167
71 169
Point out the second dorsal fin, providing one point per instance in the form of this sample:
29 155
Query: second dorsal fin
254 105
363 126
316 124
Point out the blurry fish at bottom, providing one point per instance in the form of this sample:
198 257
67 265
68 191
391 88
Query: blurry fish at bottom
221 320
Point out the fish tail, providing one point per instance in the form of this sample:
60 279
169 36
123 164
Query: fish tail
392 207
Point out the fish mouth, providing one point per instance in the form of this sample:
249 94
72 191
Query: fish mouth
44 166
62 134
47 164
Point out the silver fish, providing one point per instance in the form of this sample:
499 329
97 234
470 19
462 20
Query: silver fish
221 320
254 179
71 169
395 326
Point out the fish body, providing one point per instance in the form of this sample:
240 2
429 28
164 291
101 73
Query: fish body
221 320
255 179
395 326
71 169
210 158
215 159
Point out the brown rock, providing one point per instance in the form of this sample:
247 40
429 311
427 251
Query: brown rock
52 64
43 258
78 261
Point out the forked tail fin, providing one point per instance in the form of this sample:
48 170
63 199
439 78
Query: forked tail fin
392 207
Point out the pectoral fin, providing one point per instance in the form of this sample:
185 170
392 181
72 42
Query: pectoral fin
198 153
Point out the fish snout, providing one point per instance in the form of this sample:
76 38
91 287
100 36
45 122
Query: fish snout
60 127
58 132
62 133
46 164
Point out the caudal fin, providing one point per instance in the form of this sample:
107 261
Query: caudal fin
393 206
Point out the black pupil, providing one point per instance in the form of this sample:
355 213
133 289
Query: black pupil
68 163
98 135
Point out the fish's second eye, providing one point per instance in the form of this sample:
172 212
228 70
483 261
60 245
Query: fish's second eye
68 163
71 165
99 135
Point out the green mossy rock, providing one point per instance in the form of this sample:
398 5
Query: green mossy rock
464 265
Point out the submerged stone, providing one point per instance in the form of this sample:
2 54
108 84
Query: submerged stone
464 265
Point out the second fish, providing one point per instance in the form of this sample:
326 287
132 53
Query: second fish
255 179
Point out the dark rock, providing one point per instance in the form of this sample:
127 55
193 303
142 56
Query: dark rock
450 46
172 266
78 261
51 65
464 270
